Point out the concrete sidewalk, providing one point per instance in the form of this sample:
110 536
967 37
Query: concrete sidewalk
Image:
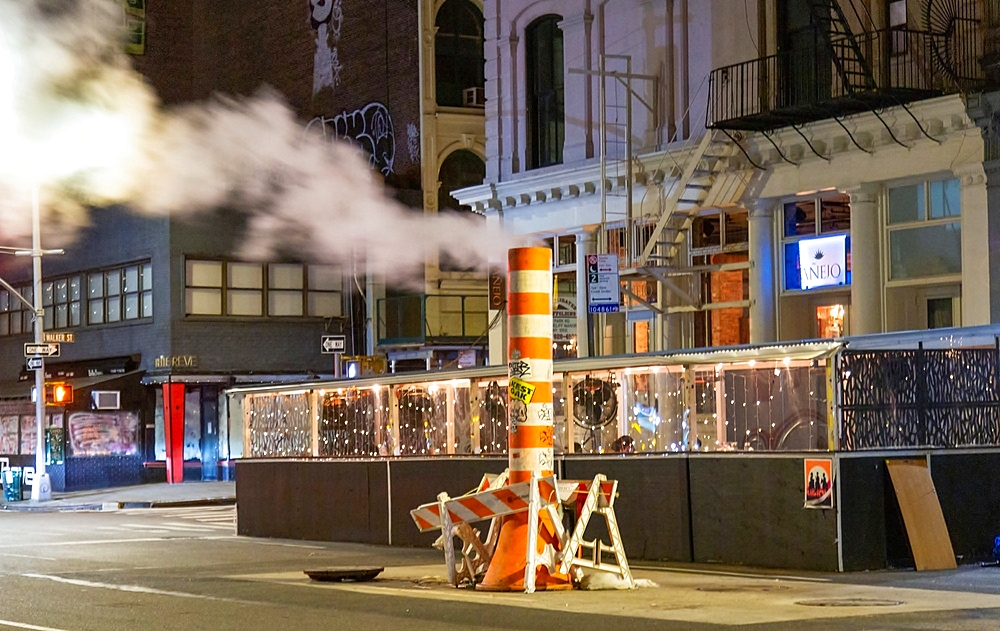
142 496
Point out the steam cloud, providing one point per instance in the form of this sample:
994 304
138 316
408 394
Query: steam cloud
76 120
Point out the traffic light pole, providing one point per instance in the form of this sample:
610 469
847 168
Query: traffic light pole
42 488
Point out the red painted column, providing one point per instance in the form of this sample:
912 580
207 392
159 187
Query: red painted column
173 430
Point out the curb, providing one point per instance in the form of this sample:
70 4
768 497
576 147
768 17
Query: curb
28 507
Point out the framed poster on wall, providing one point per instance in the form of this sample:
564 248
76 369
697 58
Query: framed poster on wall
818 483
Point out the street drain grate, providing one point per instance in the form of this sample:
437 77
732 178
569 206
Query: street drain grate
740 588
850 602
344 574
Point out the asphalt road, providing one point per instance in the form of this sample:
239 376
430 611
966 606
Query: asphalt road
165 569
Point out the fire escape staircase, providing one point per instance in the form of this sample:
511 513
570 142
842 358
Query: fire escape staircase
662 256
852 65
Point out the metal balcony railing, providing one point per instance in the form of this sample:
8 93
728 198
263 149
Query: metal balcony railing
439 319
897 66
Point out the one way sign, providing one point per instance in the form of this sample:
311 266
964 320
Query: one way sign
45 350
333 344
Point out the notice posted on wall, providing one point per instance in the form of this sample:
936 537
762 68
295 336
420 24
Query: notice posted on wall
819 483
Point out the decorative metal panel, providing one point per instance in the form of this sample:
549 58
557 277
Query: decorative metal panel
920 398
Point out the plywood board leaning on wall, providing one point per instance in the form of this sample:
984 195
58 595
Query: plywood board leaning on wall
922 516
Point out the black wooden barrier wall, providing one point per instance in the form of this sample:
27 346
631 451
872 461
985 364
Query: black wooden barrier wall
737 509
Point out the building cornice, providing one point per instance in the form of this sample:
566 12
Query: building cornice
575 181
939 119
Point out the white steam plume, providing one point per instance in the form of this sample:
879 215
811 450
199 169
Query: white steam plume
76 120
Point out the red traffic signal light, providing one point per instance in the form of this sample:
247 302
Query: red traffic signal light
58 393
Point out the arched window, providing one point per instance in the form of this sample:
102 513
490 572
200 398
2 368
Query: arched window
460 169
458 50
546 126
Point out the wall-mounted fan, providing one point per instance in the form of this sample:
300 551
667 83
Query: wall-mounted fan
952 25
595 404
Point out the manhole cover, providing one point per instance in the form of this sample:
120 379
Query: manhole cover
850 602
344 574
740 588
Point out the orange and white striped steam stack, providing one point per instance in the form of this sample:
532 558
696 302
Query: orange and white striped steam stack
530 420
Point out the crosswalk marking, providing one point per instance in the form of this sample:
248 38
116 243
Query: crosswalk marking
196 519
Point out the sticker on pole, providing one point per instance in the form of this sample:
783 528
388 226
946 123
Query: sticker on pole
521 390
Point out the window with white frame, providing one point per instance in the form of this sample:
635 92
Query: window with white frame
203 287
15 316
62 300
925 230
120 294
233 288
244 289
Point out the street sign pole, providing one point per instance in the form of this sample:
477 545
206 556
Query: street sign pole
41 490
334 345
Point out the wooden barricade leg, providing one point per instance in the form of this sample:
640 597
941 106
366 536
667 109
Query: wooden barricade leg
448 534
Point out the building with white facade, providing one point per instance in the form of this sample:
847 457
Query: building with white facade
769 170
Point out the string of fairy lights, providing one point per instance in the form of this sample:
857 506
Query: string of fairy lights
642 410
279 425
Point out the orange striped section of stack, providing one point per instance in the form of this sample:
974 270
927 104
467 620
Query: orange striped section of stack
530 420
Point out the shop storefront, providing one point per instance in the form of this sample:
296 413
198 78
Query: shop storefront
94 440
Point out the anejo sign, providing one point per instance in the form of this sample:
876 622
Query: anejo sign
823 262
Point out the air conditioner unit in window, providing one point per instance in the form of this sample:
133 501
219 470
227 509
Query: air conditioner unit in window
474 97
106 399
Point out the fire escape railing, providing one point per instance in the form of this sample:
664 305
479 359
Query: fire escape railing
804 86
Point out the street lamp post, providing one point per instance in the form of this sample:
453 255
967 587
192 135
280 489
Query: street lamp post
42 488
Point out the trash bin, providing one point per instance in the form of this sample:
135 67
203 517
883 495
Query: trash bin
11 485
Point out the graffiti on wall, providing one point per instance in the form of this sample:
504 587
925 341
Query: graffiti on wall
413 142
326 17
369 128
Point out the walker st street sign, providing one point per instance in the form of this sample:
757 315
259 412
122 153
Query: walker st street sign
53 337
45 350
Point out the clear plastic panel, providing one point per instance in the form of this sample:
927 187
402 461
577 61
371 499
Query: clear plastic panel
656 419
279 425
491 427
354 422
779 408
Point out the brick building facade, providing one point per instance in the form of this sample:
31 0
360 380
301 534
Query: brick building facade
152 301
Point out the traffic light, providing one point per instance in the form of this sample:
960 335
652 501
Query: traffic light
58 393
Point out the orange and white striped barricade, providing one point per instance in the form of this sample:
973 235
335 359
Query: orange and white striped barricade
476 554
590 498
453 516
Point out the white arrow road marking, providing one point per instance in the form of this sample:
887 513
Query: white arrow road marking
94 542
24 625
135 589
